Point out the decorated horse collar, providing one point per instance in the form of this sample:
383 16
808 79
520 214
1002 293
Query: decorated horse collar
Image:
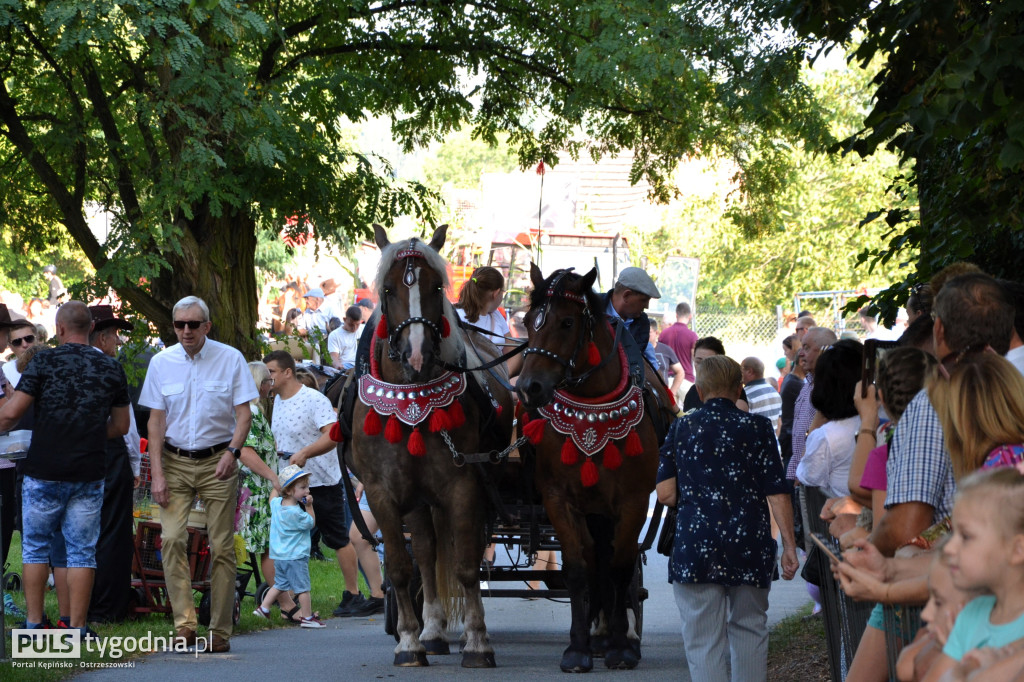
410 403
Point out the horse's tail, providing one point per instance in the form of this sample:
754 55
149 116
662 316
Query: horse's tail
449 591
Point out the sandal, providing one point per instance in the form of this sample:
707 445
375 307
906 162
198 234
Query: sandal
289 616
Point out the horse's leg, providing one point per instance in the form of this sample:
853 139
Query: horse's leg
424 545
622 653
600 583
409 651
574 537
465 526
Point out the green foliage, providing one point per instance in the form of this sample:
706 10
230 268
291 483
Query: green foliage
462 159
948 102
198 124
272 254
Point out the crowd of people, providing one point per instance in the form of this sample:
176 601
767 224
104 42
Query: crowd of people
919 462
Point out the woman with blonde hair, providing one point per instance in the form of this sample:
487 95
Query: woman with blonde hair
981 406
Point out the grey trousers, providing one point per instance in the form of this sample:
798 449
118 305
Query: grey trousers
724 626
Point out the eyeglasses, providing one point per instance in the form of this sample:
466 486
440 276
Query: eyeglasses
27 340
191 324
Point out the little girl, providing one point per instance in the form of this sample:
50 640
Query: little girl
945 601
289 544
986 552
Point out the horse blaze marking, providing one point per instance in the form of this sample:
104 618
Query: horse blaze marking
415 310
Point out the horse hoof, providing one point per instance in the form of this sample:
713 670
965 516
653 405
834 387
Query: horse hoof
621 659
598 645
436 647
576 662
411 659
478 659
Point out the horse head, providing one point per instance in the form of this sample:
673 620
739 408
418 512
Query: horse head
415 317
563 318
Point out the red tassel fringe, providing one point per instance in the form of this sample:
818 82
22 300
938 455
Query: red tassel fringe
499 409
335 432
456 414
588 473
570 455
593 355
524 417
612 459
446 328
417 448
440 421
382 328
393 430
634 446
534 431
371 424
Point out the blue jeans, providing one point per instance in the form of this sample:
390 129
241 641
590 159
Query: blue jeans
72 507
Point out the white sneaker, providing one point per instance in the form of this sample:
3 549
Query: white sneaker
312 622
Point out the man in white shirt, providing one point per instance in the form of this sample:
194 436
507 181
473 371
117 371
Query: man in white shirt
114 549
199 392
302 424
343 341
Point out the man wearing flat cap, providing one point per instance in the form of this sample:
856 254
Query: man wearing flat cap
627 302
318 314
110 589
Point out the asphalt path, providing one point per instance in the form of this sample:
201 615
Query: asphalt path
528 637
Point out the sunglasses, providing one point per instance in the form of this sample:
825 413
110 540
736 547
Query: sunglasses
27 340
191 324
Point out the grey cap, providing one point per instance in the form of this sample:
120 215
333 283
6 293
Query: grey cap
52 269
638 280
314 293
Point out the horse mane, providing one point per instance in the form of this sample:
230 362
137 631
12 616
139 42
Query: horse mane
594 300
453 350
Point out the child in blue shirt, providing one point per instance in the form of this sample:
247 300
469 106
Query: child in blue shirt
986 553
289 544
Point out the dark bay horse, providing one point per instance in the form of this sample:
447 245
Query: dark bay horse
410 418
596 450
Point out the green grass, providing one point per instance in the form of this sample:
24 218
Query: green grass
797 649
327 588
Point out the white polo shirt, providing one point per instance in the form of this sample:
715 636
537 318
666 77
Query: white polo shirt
297 422
198 394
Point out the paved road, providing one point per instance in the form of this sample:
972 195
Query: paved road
528 638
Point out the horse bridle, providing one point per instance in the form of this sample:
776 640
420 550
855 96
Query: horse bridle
569 365
409 280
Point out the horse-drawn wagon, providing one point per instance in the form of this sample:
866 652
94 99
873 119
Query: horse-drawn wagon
432 441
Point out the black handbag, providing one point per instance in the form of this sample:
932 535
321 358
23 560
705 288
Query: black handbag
668 532
814 565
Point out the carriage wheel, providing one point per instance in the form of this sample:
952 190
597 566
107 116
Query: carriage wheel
12 582
638 595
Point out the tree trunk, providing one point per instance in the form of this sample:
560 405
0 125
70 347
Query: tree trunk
217 264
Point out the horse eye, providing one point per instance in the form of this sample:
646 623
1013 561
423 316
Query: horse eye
567 323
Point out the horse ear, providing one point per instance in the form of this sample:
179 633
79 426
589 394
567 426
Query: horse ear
536 276
380 236
587 283
437 241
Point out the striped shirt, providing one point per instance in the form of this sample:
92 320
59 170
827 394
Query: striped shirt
764 400
803 415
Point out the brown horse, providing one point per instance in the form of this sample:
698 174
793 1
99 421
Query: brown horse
596 456
407 427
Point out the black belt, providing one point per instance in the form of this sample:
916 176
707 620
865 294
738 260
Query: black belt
197 454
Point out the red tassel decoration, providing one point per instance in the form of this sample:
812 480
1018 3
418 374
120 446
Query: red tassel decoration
335 433
446 328
524 417
382 328
440 421
633 445
570 455
534 431
588 473
593 355
393 430
371 424
417 448
612 459
456 414
499 409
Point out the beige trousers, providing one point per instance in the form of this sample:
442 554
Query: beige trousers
186 478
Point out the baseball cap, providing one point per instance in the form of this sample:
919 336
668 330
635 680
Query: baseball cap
290 474
638 281
318 293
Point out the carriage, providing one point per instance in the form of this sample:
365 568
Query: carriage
431 433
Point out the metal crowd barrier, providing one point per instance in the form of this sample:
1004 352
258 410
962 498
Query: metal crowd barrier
844 618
